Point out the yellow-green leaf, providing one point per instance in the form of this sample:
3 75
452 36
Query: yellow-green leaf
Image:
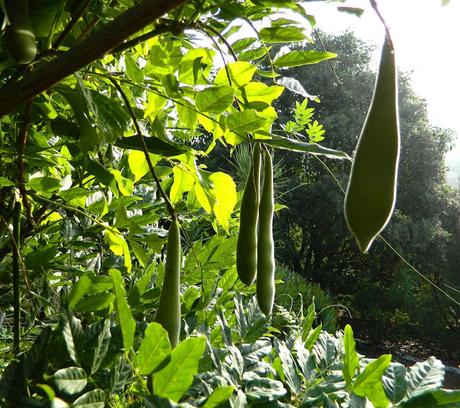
183 182
240 72
225 197
137 164
119 247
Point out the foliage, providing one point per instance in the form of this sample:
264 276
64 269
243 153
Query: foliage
246 363
296 294
105 139
388 301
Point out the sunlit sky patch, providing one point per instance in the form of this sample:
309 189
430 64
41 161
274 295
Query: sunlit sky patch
426 36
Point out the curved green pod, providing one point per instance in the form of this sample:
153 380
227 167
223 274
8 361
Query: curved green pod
19 34
265 283
246 250
169 309
371 192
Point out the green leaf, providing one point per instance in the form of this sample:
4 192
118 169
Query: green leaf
295 86
139 252
433 399
154 145
94 303
72 333
368 383
350 358
183 181
220 395
225 197
357 11
97 203
101 173
119 247
215 99
312 337
92 399
394 382
325 350
253 55
4 182
299 58
70 380
88 135
88 284
155 401
58 403
127 323
291 378
154 105
240 73
425 375
260 92
101 346
296 146
243 43
133 72
138 164
41 257
154 349
175 379
244 121
282 34
307 321
45 184
111 117
187 114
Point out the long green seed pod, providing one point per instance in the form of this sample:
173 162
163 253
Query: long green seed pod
19 35
371 193
246 250
265 246
168 312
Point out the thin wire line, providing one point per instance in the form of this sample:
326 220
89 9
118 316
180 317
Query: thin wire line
405 261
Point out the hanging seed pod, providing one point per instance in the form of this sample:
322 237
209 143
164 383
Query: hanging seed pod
19 35
265 246
371 192
246 251
168 312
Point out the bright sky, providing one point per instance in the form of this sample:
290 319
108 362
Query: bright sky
426 36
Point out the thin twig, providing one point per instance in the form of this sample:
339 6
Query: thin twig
169 206
88 28
161 29
221 38
339 81
16 289
270 59
71 25
22 140
379 15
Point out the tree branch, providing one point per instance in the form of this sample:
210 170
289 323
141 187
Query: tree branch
168 203
85 52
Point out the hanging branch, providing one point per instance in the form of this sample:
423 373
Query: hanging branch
16 294
22 140
160 29
379 15
169 206
339 81
71 24
88 50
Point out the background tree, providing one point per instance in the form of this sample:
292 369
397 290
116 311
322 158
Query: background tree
388 299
